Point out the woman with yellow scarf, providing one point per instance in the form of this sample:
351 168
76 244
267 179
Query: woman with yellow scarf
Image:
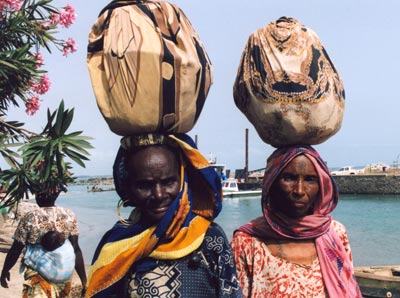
169 246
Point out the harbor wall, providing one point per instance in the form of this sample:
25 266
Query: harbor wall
368 184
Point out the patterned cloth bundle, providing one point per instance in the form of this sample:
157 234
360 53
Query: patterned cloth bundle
288 87
149 69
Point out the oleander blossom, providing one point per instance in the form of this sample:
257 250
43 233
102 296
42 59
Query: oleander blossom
32 105
10 4
67 16
69 47
39 60
54 20
42 86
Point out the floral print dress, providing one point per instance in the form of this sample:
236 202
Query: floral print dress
263 275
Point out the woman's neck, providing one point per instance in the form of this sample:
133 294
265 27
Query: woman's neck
301 252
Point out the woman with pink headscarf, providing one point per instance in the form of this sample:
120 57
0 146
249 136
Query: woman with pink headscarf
295 249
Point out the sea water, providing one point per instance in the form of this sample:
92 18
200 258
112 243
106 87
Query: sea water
372 222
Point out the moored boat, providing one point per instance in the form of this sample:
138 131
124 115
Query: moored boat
379 281
242 194
231 189
99 189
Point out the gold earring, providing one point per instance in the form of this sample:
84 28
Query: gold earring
120 218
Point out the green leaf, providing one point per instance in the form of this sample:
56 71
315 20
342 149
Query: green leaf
67 120
76 157
59 119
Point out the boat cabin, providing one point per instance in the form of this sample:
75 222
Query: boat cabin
220 169
230 185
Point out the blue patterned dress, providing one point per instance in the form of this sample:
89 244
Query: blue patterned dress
209 271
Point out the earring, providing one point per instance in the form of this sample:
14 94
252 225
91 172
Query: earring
120 218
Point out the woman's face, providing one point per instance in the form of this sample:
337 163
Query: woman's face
154 181
296 188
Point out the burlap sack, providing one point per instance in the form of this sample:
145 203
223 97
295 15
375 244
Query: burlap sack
149 69
288 87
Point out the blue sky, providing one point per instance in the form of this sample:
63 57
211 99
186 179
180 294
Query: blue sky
361 38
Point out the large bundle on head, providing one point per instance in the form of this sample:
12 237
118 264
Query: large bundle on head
149 69
288 87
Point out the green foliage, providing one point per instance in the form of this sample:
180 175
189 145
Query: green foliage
44 165
22 33
37 161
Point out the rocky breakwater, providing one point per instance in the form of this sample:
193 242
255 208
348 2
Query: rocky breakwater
381 184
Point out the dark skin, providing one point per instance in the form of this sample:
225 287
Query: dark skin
294 193
155 181
52 240
17 247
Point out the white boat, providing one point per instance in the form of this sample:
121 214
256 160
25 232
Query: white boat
230 189
219 168
230 186
378 281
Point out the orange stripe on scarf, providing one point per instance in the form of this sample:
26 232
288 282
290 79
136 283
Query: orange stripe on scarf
180 215
194 155
186 236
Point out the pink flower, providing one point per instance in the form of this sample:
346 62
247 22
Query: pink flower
42 86
67 16
43 25
12 4
55 19
69 47
39 60
32 105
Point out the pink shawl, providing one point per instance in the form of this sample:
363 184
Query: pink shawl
336 266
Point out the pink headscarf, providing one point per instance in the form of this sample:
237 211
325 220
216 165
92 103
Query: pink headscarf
336 266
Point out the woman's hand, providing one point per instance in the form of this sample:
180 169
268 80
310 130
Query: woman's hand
5 276
83 292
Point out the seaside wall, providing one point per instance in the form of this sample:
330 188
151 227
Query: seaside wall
368 184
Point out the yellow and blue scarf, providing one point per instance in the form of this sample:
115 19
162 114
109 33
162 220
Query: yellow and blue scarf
180 231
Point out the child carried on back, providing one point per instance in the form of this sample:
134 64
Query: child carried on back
53 258
52 240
